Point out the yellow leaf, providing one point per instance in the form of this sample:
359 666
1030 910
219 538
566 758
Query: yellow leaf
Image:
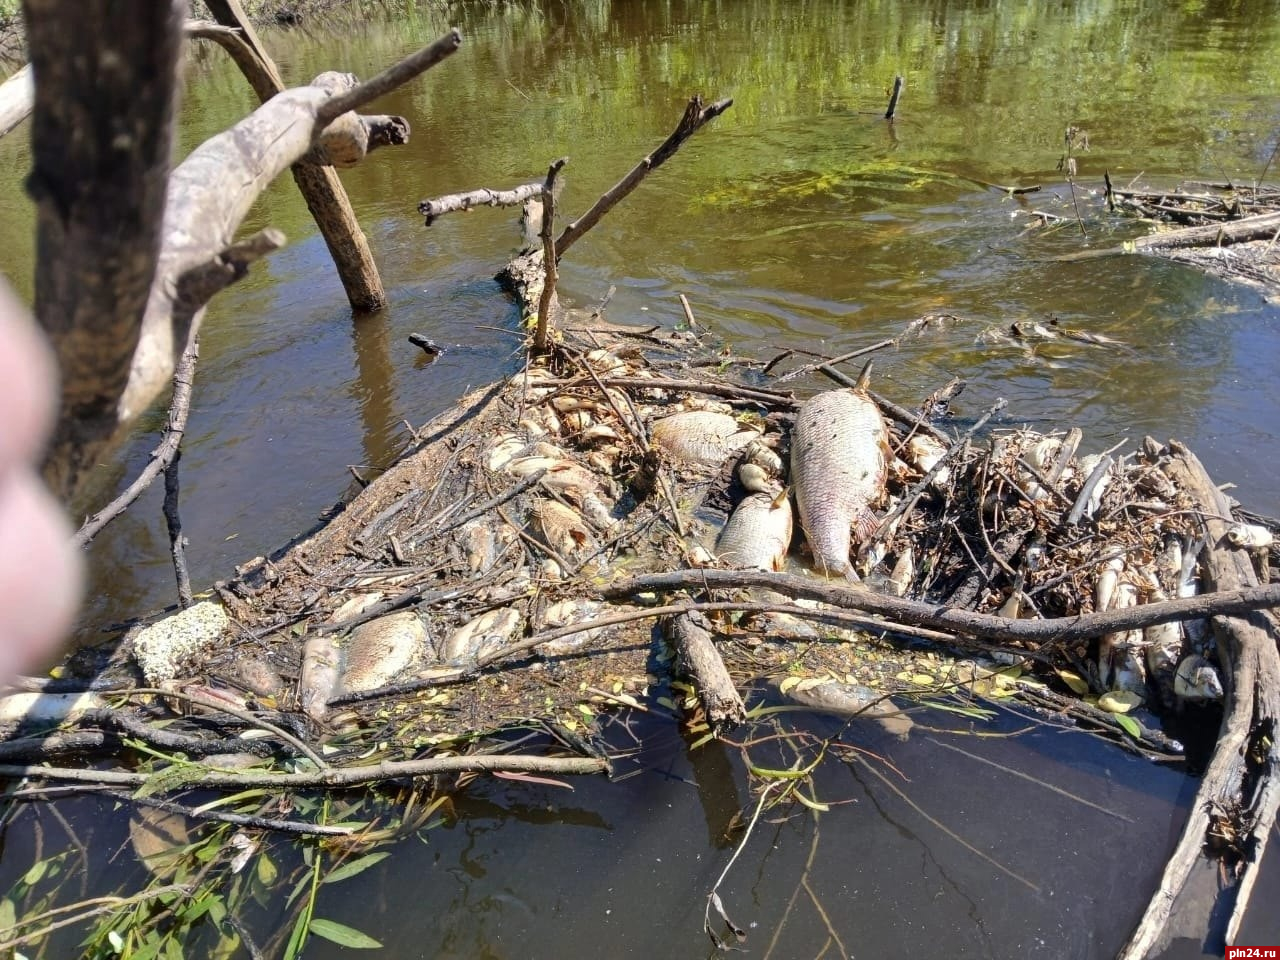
1119 701
1075 683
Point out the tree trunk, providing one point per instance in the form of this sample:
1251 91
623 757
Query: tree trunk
100 136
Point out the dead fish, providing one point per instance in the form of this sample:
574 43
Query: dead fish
566 613
318 679
1164 646
377 651
923 453
758 533
701 437
904 572
480 635
839 451
480 544
846 700
1249 535
1197 680
562 529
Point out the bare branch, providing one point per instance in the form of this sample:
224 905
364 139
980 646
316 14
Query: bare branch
695 117
391 78
454 202
17 94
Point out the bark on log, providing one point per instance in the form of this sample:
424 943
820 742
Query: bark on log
17 95
700 659
1240 783
323 191
101 136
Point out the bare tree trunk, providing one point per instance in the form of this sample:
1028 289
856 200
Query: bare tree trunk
100 135
320 186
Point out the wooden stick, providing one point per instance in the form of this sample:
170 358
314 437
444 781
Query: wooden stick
397 75
695 117
483 197
898 84
328 778
964 622
549 261
173 522
320 187
692 639
161 456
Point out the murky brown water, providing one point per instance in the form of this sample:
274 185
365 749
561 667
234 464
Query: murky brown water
800 218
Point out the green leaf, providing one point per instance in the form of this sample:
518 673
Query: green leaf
1075 683
1128 725
37 871
8 914
343 935
267 871
352 867
299 935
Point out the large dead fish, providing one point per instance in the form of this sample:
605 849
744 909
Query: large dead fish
758 533
838 469
701 437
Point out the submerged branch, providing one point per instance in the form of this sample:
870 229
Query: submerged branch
331 777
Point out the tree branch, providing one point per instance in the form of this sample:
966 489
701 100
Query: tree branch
454 202
964 622
695 117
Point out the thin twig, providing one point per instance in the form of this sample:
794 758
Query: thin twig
161 456
177 545
331 777
394 76
239 819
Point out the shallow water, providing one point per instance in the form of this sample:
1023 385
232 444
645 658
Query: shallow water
798 219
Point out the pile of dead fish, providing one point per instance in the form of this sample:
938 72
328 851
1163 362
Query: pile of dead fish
1024 528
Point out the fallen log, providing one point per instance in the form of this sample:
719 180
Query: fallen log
1240 787
697 653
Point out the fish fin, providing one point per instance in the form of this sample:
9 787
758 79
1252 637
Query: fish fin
865 524
864 378
780 499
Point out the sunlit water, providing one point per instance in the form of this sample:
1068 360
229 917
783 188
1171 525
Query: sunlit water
798 219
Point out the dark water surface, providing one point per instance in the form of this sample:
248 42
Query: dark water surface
798 219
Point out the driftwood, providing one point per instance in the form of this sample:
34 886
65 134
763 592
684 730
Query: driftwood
16 97
483 197
1239 793
206 198
963 622
697 653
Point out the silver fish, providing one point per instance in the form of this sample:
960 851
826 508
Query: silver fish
758 533
701 437
838 467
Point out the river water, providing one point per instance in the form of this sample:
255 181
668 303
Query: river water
800 218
